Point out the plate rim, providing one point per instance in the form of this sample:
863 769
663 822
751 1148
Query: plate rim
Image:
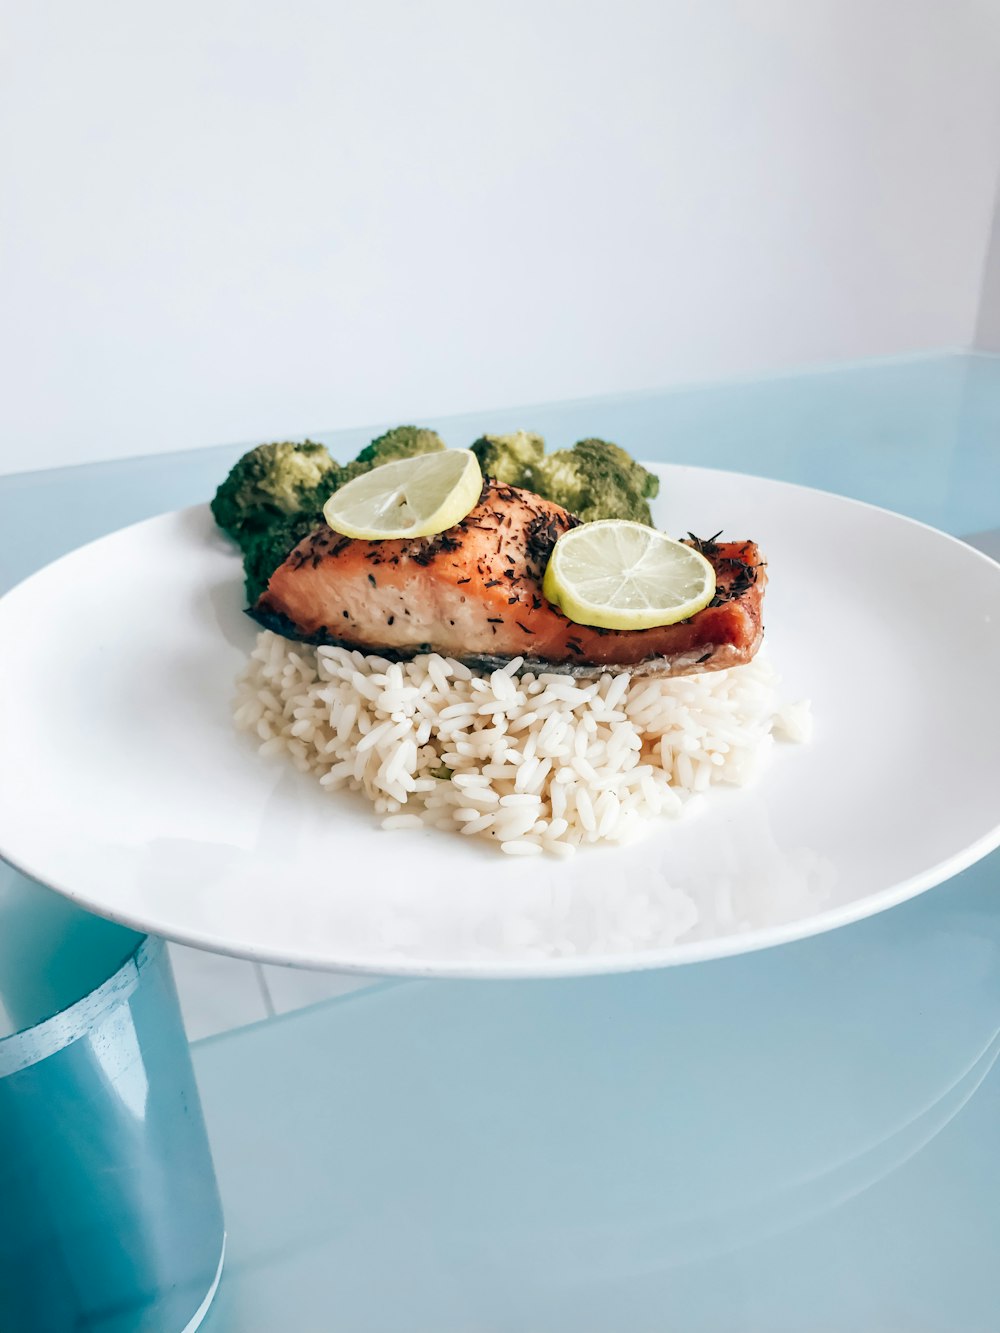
579 965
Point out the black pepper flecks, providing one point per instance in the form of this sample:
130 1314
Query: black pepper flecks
742 579
739 575
706 546
542 533
442 544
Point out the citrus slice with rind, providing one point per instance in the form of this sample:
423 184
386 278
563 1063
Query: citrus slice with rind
616 574
412 497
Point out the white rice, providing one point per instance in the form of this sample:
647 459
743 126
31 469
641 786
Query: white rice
538 763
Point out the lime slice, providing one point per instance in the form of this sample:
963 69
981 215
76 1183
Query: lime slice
621 575
414 497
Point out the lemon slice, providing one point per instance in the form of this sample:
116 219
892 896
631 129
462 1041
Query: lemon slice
615 574
413 497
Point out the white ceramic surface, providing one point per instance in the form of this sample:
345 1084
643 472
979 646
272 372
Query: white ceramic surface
124 786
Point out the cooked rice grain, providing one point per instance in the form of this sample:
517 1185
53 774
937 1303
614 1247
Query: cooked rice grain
535 762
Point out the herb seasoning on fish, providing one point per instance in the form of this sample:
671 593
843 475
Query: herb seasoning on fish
498 556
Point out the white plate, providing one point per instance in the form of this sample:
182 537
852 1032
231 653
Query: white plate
125 787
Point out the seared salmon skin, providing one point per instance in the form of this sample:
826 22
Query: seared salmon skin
475 593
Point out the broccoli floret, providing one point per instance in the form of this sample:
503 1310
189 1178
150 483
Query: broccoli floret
265 550
400 442
513 460
595 480
274 496
273 481
592 480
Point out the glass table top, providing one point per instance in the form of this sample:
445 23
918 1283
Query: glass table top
804 1138
800 1139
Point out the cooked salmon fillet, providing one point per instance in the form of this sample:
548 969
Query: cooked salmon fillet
475 593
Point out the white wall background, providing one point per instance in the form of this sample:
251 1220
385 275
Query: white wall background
234 221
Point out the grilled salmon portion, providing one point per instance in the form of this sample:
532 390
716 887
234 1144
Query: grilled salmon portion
475 593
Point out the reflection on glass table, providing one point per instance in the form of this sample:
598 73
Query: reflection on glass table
800 1139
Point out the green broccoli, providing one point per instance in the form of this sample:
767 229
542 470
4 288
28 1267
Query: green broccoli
400 442
592 480
513 460
274 481
265 550
595 480
274 496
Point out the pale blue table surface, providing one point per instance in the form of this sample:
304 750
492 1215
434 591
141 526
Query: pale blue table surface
805 1139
